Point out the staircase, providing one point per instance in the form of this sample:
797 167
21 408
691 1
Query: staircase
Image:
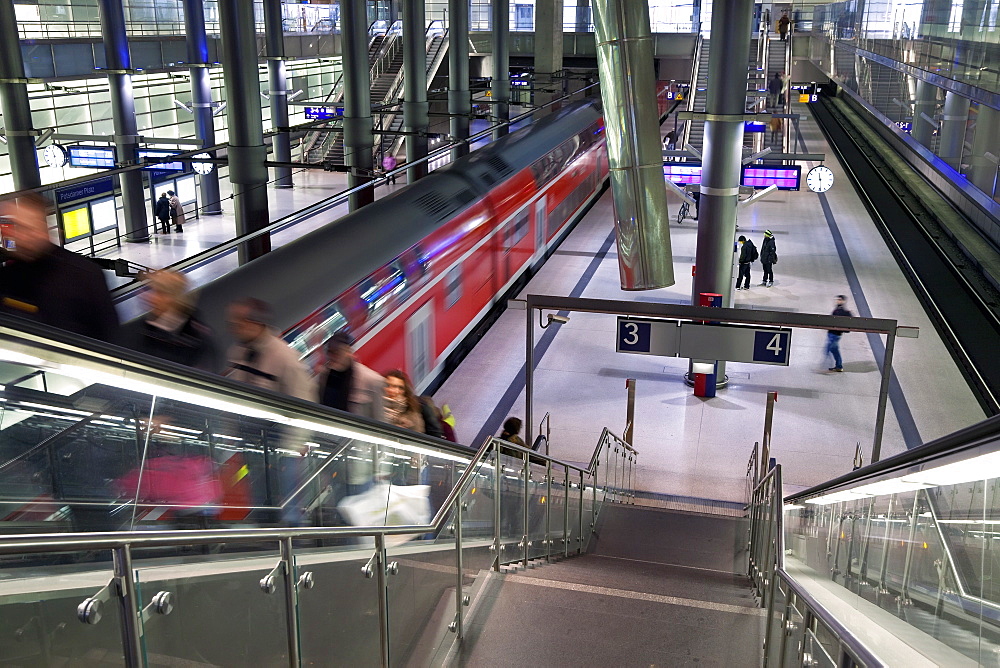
656 588
776 62
694 132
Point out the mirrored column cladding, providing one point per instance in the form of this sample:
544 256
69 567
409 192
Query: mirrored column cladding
923 112
985 147
953 125
358 139
201 99
246 152
459 100
628 88
500 87
119 65
277 90
16 108
548 50
414 87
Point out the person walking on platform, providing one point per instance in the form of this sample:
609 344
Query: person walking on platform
748 253
768 258
162 212
176 211
833 338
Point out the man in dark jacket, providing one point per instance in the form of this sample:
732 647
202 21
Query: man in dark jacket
163 213
748 253
768 258
48 284
774 87
833 338
347 384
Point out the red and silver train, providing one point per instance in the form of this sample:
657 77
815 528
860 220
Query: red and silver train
445 251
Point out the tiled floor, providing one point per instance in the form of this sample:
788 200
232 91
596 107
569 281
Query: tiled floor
700 447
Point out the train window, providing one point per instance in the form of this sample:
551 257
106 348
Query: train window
520 227
453 286
378 294
308 337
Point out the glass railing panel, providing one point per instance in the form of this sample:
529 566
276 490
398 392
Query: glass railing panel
795 635
38 612
588 508
574 510
220 613
558 515
421 593
814 652
511 492
338 617
478 522
776 625
538 511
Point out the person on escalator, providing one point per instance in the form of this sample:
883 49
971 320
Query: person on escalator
42 282
172 329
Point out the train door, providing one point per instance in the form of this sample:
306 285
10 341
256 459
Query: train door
540 226
507 234
420 343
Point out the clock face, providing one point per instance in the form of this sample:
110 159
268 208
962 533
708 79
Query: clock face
55 155
203 167
819 179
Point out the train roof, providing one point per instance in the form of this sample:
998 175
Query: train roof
303 275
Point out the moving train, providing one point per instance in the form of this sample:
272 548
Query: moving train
415 274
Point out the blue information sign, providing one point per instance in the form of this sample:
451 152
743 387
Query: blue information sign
771 347
633 337
88 190
323 113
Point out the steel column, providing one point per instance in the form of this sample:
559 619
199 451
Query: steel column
201 99
548 51
524 526
720 183
246 151
628 88
983 172
358 139
119 68
381 562
459 99
16 107
548 510
883 396
497 479
415 87
277 90
953 126
923 112
459 583
500 86
566 512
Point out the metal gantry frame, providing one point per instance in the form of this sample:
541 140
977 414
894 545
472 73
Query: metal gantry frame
890 328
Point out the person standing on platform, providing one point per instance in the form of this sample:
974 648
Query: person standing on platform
768 258
748 253
833 338
260 358
389 164
48 284
783 24
348 385
162 212
176 211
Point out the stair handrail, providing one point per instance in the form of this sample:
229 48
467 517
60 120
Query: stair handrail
693 87
436 58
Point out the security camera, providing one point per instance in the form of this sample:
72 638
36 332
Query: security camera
561 319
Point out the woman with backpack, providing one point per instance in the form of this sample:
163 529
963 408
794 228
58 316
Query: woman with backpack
768 258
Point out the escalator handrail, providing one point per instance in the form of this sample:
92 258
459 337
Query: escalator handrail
952 444
70 542
155 369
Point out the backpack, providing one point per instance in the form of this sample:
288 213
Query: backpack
753 252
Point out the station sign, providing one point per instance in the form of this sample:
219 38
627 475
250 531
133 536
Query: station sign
733 343
323 113
94 157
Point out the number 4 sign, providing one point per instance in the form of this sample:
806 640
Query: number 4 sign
770 347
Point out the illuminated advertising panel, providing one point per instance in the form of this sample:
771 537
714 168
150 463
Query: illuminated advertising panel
76 223
104 214
786 177
682 173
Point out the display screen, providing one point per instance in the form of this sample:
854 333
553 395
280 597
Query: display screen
95 157
785 177
186 191
104 213
165 166
76 223
682 173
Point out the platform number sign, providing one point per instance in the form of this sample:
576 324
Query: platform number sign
771 347
633 336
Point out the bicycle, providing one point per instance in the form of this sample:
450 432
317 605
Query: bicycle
682 213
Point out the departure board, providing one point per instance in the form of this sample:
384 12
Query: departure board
95 157
786 177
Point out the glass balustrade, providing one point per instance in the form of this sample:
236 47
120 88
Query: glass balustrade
153 514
